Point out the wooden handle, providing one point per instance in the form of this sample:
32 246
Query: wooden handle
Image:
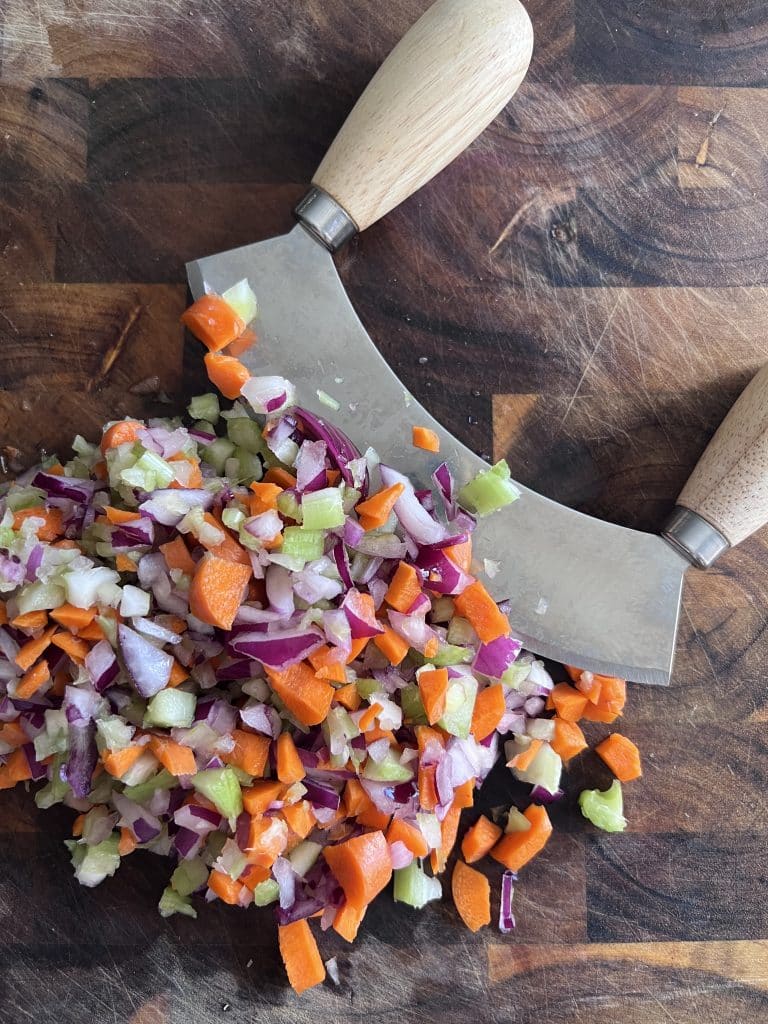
729 487
437 91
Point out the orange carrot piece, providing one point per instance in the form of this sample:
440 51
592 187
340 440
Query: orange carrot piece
223 886
568 740
227 375
177 556
404 588
425 439
433 688
117 762
391 645
597 713
174 757
368 717
460 554
258 797
376 510
124 563
357 648
120 515
77 825
477 605
613 693
279 476
253 875
53 521
515 849
122 432
348 696
228 549
567 702
241 345
490 708
328 664
471 896
213 321
524 760
586 682
372 817
217 589
32 680
464 795
249 753
178 674
361 865
3 614
348 920
31 620
32 649
480 839
73 619
307 698
13 734
91 632
428 788
300 818
267 840
127 843
73 646
449 828
622 757
266 494
409 835
289 766
300 955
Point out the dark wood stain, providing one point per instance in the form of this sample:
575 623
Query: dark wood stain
583 292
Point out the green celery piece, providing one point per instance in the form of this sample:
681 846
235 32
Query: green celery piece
245 433
490 490
388 770
450 654
204 407
414 888
94 863
365 687
189 876
323 509
413 709
221 787
145 790
172 902
249 466
459 705
266 892
289 506
217 452
301 542
604 809
171 709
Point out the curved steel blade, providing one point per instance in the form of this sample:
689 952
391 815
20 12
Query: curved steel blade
582 591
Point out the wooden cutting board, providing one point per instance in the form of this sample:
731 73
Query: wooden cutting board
584 292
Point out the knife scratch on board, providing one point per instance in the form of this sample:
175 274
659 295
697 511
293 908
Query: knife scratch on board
112 354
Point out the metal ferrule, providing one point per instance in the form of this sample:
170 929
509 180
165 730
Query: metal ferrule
324 219
694 537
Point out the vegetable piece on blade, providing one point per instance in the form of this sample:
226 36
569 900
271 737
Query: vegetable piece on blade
490 490
604 809
477 606
214 322
226 373
426 439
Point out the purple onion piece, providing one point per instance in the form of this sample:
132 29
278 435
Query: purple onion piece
148 667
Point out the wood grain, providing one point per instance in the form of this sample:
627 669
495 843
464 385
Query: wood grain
583 292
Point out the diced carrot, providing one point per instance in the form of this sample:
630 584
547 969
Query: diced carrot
300 818
449 828
568 739
425 735
53 521
404 588
515 849
348 696
120 515
78 824
477 605
479 840
597 713
401 831
348 920
217 589
267 840
377 733
223 886
425 439
613 693
289 766
433 688
332 477
622 757
431 647
300 955
356 648
524 760
464 795
13 734
307 698
213 321
281 477
117 762
31 621
228 548
391 645
328 664
73 646
124 563
174 757
32 649
249 753
32 680
428 787
567 702
92 631
122 432
586 682
3 614
253 875
362 866
18 766
376 510
372 817
258 797
178 674
177 556
368 717
471 896
265 495
227 375
490 707
127 843
241 345
73 619
188 475
460 554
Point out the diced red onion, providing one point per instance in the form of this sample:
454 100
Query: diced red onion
200 820
506 917
169 505
280 649
341 451
400 855
74 488
494 658
265 526
157 632
540 795
129 535
102 665
310 466
148 667
34 561
280 590
362 622
342 564
445 577
263 718
187 843
8 646
415 520
321 795
11 571
286 879
144 825
268 395
217 715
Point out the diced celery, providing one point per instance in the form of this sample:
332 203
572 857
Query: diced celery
221 787
410 701
242 299
203 427
55 791
204 407
24 497
217 452
365 687
604 808
300 542
171 902
94 863
233 518
144 791
189 876
461 632
135 711
55 737
544 770
442 610
266 892
516 821
414 887
246 433
429 827
459 705
289 506
388 770
7 536
323 509
516 674
171 709
36 597
249 466
490 490
303 856
148 473
329 400
350 497
450 654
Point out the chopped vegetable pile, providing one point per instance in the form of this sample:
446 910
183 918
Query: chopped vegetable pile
242 644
